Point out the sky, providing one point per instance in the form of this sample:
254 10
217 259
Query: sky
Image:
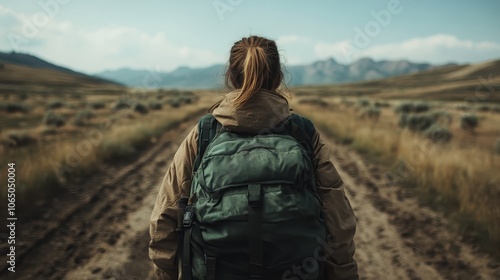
161 35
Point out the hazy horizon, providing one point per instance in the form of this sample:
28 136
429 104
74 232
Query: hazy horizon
93 37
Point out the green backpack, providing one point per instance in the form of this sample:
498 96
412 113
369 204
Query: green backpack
255 212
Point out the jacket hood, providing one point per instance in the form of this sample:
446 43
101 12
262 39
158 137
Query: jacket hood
265 110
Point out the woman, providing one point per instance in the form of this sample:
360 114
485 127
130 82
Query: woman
255 105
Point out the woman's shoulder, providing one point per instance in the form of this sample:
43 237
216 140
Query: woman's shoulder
303 122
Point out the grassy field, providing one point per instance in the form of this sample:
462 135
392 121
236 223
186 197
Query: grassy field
448 153
55 138
435 133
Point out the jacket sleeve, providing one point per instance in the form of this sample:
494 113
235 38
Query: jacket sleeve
163 222
339 216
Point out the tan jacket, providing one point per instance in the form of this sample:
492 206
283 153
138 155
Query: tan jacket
263 111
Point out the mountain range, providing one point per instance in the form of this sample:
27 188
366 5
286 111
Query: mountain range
327 71
322 72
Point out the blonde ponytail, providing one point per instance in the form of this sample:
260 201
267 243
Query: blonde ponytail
254 64
255 68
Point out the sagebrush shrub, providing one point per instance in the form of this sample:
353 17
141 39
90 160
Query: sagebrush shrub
155 105
97 105
371 112
140 108
413 107
173 102
56 104
405 107
347 102
363 102
54 119
122 103
469 122
15 108
20 139
82 117
186 99
443 116
421 107
484 108
76 95
438 134
381 104
417 122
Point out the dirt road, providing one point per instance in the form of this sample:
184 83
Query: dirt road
398 239
106 235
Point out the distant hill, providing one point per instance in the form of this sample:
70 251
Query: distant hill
318 73
182 77
19 68
466 83
331 72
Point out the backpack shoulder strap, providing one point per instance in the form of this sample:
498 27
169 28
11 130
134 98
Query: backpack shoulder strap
303 131
207 129
304 123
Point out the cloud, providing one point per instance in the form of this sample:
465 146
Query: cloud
337 50
118 46
95 50
439 48
295 49
8 19
293 39
23 31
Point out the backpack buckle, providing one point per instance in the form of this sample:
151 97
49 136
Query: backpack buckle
187 221
183 201
254 195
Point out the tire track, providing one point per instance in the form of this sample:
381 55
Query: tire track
99 223
396 237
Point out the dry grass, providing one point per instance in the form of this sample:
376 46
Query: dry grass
461 178
42 171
